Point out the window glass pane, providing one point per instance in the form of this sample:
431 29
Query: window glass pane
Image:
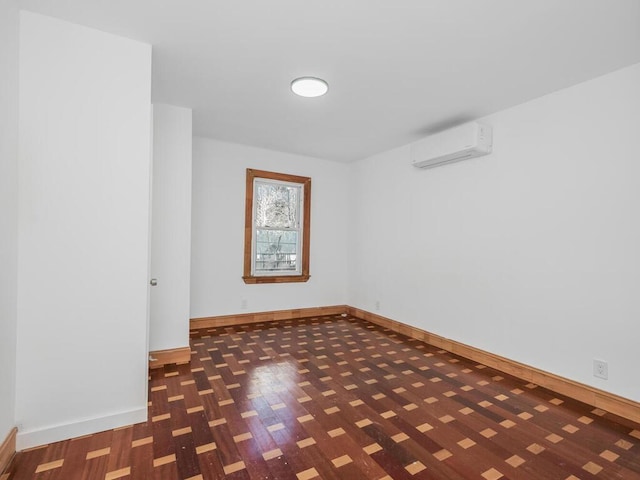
276 205
276 250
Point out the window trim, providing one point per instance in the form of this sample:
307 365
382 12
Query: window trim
303 276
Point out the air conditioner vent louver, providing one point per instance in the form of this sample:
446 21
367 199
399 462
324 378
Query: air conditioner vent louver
459 143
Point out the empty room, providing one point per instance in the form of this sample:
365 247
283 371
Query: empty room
298 240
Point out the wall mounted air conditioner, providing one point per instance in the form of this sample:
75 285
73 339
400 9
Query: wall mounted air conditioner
459 143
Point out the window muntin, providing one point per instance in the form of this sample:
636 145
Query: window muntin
276 227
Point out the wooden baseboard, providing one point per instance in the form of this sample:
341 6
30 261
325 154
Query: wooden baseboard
8 450
610 402
228 320
160 358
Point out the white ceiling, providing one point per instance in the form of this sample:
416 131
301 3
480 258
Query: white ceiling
397 69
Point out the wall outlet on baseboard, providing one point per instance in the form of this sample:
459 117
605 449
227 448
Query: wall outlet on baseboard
377 305
243 303
600 369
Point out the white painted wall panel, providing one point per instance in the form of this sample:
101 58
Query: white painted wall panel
83 230
217 287
171 228
530 252
9 22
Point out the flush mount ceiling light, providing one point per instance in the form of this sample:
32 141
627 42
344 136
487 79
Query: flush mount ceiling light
309 87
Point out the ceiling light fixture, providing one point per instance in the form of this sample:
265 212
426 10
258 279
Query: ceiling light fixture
309 87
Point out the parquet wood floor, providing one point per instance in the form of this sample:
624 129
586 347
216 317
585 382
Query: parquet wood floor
340 398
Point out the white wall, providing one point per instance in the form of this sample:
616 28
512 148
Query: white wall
9 21
171 228
532 252
85 140
217 288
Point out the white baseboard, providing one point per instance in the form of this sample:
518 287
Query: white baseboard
55 433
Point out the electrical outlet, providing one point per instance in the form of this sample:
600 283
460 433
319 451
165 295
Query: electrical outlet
600 369
377 304
243 303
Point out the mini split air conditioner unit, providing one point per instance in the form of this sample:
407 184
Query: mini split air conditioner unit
459 143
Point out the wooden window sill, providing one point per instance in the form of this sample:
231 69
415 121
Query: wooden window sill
277 279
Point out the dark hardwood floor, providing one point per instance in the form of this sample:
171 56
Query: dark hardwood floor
340 398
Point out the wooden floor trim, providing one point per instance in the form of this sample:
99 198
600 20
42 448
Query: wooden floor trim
8 449
610 402
229 320
160 358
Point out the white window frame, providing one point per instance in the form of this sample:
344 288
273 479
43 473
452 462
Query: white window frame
298 229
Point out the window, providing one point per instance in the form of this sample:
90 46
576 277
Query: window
277 219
